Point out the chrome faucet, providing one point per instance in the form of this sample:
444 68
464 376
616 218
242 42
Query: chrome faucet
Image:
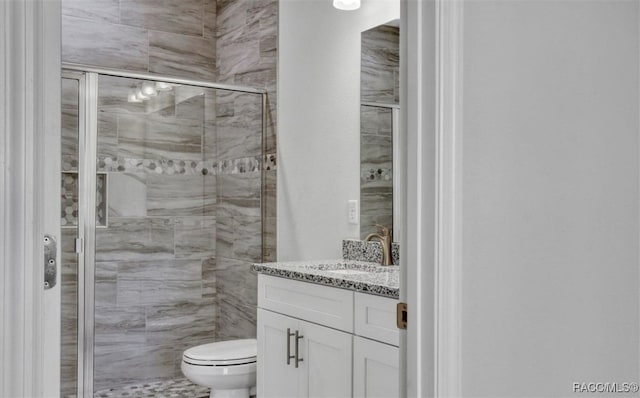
385 241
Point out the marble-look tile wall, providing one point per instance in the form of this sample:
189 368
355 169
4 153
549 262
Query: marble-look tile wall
376 169
380 66
159 36
379 82
246 55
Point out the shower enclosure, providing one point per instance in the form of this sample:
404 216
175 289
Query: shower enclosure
162 214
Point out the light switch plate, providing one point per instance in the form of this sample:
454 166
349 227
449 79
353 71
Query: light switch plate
354 212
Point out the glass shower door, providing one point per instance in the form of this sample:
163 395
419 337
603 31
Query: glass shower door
154 280
164 262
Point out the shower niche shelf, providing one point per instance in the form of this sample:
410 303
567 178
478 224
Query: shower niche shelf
69 200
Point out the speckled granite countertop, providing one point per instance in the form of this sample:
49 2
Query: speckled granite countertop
360 276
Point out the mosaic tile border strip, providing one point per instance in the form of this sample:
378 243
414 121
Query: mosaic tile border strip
359 250
249 164
152 166
239 166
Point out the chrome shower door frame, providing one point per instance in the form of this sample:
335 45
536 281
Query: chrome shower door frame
88 147
86 227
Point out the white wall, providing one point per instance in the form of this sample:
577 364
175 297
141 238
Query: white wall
550 188
318 122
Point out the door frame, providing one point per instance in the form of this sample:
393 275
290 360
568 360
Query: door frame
30 199
431 285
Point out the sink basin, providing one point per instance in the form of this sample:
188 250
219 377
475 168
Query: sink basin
349 267
348 272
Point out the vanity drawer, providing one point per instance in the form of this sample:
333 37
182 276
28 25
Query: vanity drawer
375 318
328 306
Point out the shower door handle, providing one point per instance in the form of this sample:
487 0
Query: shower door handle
289 356
50 261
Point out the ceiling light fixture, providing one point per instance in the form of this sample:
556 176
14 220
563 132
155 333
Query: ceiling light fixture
149 89
140 95
132 97
162 86
346 5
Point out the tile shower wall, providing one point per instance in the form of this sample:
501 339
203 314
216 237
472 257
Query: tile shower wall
168 37
163 212
376 174
379 83
380 66
246 55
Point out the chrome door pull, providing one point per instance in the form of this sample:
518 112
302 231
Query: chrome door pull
298 359
289 356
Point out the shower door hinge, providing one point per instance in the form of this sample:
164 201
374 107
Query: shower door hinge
79 246
401 315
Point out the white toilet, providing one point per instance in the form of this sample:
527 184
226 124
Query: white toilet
227 367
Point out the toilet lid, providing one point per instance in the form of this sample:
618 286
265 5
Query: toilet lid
232 352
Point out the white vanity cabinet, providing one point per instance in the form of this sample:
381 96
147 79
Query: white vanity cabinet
376 358
345 346
319 365
275 374
376 367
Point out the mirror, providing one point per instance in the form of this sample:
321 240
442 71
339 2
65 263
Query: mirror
379 111
319 101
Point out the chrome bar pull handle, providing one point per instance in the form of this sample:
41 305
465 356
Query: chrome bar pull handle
298 359
289 356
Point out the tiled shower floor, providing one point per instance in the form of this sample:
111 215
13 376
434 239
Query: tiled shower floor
177 388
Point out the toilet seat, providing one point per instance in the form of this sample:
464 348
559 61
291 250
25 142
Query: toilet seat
228 368
223 353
